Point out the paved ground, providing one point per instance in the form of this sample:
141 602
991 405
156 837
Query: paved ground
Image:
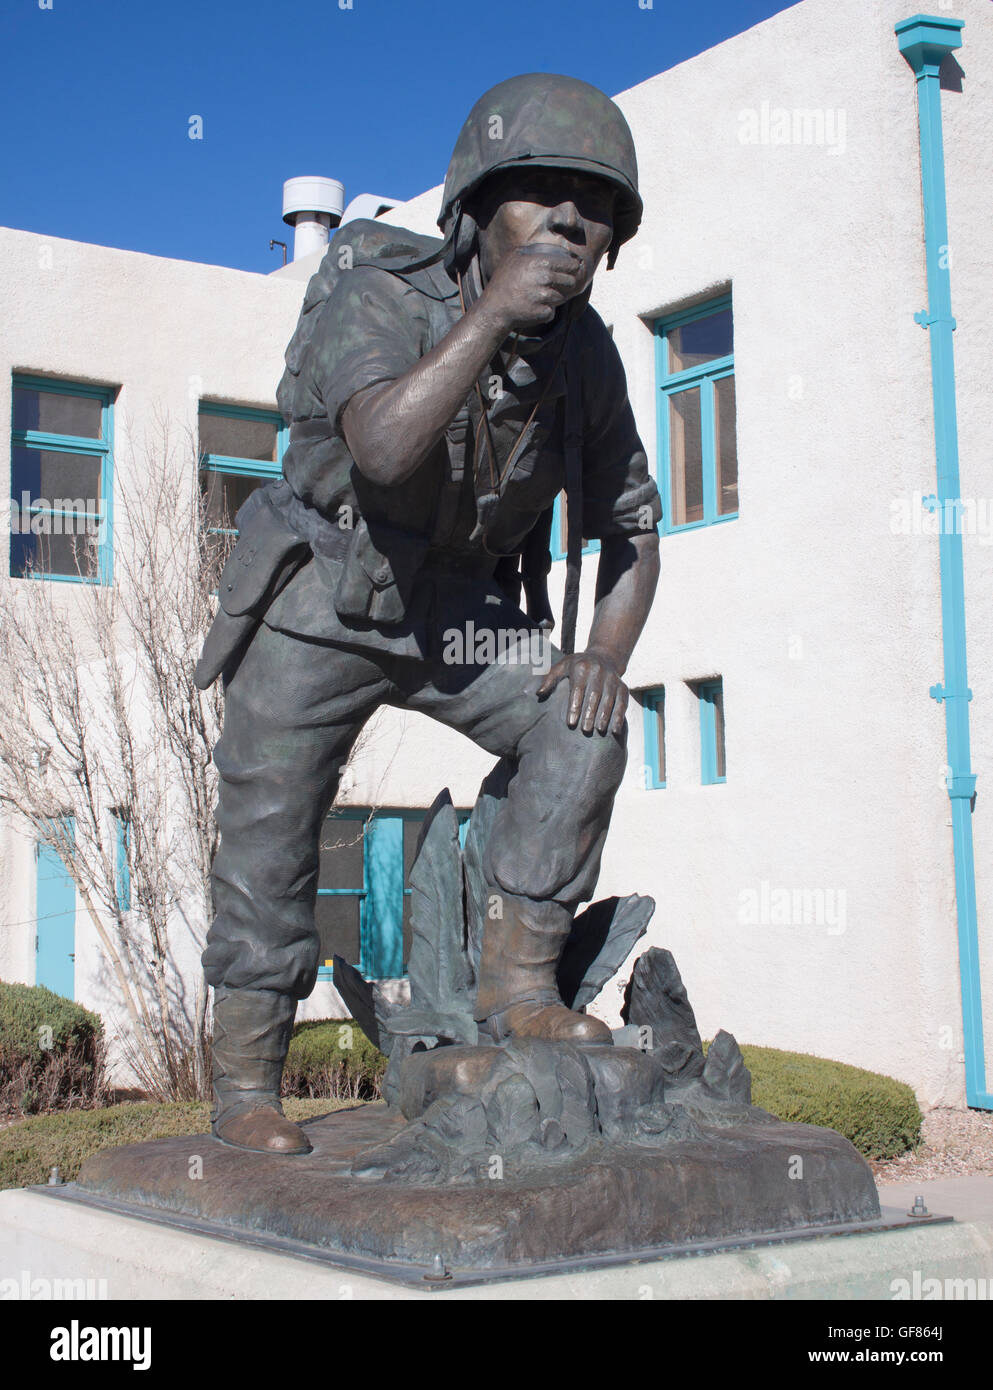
965 1198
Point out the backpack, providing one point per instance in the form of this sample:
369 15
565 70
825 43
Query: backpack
368 243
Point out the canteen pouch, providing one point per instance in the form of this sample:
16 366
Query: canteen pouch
262 551
266 556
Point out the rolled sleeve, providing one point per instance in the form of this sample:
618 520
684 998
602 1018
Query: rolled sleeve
620 496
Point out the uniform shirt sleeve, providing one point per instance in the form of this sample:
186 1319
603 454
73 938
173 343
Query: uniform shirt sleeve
373 328
617 486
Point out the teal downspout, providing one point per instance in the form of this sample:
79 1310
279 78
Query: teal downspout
924 41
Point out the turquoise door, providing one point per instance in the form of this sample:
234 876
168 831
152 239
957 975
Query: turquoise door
55 965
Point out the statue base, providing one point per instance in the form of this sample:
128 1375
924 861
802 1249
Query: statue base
731 1183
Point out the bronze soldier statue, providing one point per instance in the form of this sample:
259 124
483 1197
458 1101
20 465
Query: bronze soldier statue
441 394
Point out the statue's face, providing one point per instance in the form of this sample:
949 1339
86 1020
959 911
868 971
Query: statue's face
519 206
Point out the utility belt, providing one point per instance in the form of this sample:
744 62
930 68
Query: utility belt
277 534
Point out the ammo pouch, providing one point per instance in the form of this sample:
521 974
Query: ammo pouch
378 573
266 555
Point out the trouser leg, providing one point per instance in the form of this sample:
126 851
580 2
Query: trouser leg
284 743
292 713
542 857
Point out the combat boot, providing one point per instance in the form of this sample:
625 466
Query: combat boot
517 995
252 1031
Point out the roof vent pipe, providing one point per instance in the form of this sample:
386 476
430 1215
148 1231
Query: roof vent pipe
312 206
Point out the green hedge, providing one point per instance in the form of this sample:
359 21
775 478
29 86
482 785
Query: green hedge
878 1115
25 1010
332 1055
51 1050
31 1149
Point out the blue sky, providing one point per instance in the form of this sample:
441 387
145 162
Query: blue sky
97 97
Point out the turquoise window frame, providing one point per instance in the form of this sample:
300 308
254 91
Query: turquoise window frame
382 893
669 383
102 448
653 702
246 468
707 693
557 551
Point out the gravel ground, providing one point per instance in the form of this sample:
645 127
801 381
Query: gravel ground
956 1143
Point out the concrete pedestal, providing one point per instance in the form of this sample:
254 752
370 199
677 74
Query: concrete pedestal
47 1242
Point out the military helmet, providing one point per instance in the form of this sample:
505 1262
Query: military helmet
546 120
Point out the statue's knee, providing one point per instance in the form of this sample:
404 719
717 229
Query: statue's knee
600 759
615 755
534 875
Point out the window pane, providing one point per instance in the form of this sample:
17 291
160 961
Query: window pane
67 482
727 445
658 714
57 413
717 699
712 760
225 493
700 340
411 831
686 457
238 438
342 854
337 921
54 552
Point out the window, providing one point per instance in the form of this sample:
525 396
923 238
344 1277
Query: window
710 695
61 481
363 909
122 860
698 447
560 531
240 448
653 710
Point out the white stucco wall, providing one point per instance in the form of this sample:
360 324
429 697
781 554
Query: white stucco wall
824 625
